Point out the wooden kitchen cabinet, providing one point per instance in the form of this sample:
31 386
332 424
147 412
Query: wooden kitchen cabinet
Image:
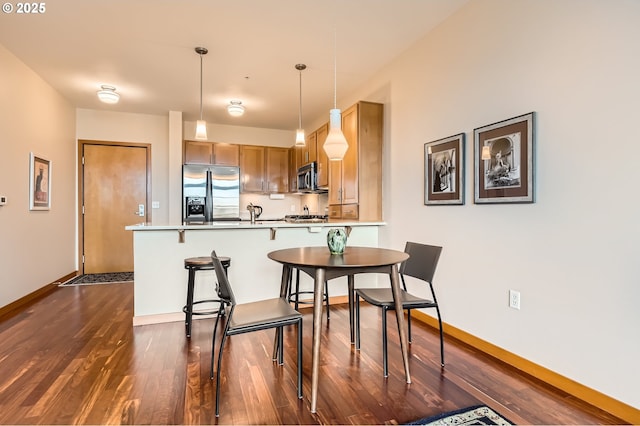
198 152
264 169
224 154
252 168
355 182
321 156
277 169
293 169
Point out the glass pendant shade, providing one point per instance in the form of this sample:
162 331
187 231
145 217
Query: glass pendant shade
300 137
201 130
335 145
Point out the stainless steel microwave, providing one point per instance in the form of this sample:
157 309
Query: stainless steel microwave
308 178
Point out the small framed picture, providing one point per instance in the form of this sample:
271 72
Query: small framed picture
39 183
503 161
444 171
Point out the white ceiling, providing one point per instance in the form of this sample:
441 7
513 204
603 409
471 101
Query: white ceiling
145 48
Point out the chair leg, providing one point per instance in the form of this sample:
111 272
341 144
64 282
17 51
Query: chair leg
189 306
297 288
357 321
299 329
280 346
326 295
224 337
441 337
385 367
213 340
409 325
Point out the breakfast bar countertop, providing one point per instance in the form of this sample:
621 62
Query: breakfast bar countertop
246 224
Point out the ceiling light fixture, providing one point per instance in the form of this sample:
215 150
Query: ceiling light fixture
235 108
201 125
335 145
108 94
300 132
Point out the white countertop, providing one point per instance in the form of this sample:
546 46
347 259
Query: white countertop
248 225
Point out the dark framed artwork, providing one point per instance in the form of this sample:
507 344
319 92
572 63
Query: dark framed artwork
39 183
503 161
444 171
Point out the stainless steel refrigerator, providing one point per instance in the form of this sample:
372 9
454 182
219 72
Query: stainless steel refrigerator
210 193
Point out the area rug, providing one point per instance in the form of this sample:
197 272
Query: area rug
476 415
88 279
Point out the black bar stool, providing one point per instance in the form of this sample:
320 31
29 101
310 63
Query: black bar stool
194 264
294 296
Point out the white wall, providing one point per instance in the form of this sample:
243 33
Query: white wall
138 128
36 247
573 254
243 135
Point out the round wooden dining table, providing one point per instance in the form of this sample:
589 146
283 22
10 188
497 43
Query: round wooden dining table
321 265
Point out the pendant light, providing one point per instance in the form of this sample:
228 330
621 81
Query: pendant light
201 125
300 132
335 145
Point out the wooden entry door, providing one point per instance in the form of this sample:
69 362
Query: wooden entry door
114 193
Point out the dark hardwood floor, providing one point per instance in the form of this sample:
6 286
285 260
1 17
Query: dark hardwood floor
73 357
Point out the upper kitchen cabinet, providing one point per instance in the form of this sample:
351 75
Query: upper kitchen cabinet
226 154
252 168
223 154
321 156
277 169
293 169
355 182
264 169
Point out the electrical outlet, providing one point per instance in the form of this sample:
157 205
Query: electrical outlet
514 299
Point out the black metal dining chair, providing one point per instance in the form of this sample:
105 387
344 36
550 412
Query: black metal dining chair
421 264
248 317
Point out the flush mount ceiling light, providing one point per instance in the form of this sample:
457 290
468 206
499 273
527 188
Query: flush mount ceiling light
235 108
201 125
108 94
335 145
300 131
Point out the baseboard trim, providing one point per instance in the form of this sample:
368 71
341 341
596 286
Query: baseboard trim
584 393
159 318
35 295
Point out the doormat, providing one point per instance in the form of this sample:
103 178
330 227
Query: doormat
89 279
476 415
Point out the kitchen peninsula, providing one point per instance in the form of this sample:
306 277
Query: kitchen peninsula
160 279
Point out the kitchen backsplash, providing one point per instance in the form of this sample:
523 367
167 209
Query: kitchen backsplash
279 208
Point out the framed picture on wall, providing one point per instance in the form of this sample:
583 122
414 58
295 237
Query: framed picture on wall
503 161
444 171
39 183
